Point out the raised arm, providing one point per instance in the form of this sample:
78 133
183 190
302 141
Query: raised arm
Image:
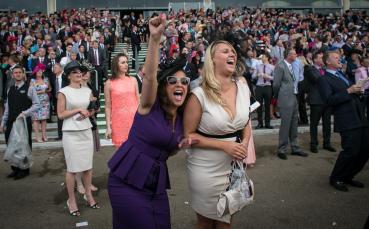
149 83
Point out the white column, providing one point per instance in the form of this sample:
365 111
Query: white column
346 5
51 6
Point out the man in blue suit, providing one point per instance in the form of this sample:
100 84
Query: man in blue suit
349 120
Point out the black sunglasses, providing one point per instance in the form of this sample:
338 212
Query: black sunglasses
172 80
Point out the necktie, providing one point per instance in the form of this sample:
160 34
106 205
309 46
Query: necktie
52 65
264 73
291 70
280 52
96 58
343 78
321 71
57 87
41 60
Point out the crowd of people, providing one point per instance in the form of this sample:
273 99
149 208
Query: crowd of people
204 71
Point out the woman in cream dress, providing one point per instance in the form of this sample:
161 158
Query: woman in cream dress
73 102
216 116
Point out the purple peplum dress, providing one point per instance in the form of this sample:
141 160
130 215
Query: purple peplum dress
138 176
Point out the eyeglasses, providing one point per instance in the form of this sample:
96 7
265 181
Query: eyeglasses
172 80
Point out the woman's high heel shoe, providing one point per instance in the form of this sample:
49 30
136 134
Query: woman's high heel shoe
93 206
71 212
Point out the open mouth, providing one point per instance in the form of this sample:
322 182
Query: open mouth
230 61
178 95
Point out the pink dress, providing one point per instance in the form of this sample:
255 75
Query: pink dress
251 157
124 104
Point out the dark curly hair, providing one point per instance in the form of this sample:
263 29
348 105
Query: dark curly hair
162 95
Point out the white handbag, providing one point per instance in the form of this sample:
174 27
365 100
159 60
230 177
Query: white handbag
239 193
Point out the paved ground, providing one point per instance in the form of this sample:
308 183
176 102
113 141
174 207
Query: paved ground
289 194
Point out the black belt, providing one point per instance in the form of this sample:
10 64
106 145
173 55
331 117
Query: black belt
236 134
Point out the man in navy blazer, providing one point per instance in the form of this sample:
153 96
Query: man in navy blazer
349 120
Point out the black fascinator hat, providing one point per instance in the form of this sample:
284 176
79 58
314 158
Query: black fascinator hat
171 68
86 66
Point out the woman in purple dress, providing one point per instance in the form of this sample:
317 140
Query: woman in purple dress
138 176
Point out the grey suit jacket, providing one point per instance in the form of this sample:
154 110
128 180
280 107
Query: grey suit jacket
283 87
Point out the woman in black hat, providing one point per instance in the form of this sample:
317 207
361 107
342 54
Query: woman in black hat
138 177
73 102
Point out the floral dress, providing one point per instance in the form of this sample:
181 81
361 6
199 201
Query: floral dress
43 112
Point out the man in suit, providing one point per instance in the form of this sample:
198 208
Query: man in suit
349 120
317 107
78 42
277 51
58 81
139 77
68 51
347 47
285 86
136 45
41 58
108 40
65 33
20 36
97 57
81 55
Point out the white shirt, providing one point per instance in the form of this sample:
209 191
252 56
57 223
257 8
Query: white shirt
96 55
289 66
59 80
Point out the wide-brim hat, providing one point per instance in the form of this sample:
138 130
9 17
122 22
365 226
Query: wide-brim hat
72 66
170 69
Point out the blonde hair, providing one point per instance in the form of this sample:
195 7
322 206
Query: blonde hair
210 84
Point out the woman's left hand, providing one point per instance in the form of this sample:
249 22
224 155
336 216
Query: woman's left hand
83 114
245 144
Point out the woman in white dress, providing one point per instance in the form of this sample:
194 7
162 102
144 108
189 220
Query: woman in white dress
217 116
73 101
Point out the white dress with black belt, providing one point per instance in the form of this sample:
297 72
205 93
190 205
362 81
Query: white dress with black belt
208 169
